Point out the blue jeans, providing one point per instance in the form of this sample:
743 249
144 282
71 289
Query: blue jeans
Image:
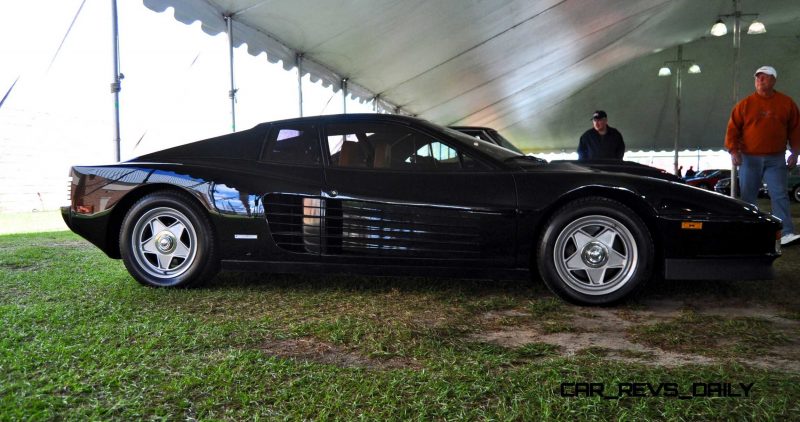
772 169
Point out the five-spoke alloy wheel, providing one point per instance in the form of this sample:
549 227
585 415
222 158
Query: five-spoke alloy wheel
166 241
595 251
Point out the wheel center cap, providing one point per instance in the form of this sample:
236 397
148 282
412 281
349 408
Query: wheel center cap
165 242
594 254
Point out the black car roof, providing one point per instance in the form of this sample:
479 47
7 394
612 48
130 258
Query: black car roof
327 118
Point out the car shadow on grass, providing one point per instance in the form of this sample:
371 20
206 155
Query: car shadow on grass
375 284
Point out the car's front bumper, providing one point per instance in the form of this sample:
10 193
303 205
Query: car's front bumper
720 249
750 268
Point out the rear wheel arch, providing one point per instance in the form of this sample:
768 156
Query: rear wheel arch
166 239
121 209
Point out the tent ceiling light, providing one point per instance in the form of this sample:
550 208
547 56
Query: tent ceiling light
664 71
756 28
694 68
719 29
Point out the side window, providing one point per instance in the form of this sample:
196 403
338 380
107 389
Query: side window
350 149
438 156
389 147
293 144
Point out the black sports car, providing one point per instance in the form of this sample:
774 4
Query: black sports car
382 194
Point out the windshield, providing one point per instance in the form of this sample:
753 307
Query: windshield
495 151
505 142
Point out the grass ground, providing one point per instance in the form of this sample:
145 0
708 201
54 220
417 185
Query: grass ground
79 339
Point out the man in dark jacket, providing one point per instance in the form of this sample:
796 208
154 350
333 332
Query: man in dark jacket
602 141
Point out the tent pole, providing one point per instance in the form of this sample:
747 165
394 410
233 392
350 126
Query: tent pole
116 85
678 87
737 38
299 63
344 95
232 92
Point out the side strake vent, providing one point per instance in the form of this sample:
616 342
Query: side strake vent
296 221
408 230
313 224
308 224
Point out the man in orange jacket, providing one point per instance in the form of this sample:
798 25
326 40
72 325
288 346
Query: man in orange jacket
758 131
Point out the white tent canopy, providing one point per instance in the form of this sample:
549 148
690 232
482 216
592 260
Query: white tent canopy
533 69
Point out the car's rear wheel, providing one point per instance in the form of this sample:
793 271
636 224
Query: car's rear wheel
167 241
595 251
796 193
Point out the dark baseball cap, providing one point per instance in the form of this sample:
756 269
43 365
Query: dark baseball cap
599 114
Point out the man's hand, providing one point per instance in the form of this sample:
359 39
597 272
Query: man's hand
736 158
791 161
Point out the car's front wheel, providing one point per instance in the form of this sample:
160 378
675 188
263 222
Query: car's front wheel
595 251
167 241
796 193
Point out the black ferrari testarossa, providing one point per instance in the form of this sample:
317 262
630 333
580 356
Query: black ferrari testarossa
393 195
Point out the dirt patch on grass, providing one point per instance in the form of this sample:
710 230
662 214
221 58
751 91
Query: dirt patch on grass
314 351
665 333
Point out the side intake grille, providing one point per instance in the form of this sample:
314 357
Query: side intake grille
296 222
351 227
371 228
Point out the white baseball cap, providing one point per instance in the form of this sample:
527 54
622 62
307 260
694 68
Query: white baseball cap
769 70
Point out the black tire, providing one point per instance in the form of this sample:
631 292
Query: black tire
703 186
166 240
595 251
796 193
